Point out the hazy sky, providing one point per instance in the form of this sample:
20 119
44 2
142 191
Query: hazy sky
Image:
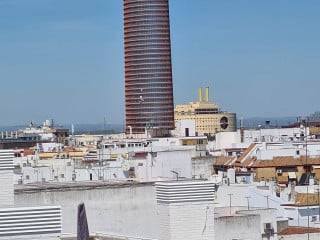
63 59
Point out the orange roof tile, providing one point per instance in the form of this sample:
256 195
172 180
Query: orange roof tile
248 162
27 152
246 152
222 160
286 162
69 149
298 230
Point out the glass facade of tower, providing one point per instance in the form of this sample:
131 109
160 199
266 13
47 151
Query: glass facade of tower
148 74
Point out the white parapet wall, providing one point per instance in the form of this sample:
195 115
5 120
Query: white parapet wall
40 222
6 178
186 210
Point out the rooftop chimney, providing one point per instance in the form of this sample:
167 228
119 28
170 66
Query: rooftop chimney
186 210
200 95
6 178
207 94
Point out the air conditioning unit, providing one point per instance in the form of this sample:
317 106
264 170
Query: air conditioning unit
279 171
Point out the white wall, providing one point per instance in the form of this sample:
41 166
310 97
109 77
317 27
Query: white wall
165 162
156 165
312 236
202 167
187 221
6 192
269 154
181 125
6 178
266 216
237 227
271 134
186 210
299 216
257 198
122 211
226 139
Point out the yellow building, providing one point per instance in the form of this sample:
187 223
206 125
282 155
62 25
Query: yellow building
209 118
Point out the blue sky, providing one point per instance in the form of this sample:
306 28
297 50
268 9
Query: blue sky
63 59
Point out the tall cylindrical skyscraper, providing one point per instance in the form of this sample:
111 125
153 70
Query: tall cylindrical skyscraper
148 74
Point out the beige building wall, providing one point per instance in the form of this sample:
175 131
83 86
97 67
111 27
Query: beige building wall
269 173
265 173
209 119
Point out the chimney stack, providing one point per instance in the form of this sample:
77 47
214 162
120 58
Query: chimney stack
6 178
186 210
200 95
207 94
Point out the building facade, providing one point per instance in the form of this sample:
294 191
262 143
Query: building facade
209 118
148 74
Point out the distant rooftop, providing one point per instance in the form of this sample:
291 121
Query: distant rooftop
69 186
298 230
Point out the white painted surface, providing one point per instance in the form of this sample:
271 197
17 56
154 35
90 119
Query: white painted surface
237 227
312 236
186 210
6 188
183 124
129 211
258 198
6 178
244 224
202 167
186 221
39 222
226 139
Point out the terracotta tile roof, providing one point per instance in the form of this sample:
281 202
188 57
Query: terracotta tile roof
244 160
246 152
286 162
251 162
222 160
232 161
248 162
69 149
298 230
27 152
